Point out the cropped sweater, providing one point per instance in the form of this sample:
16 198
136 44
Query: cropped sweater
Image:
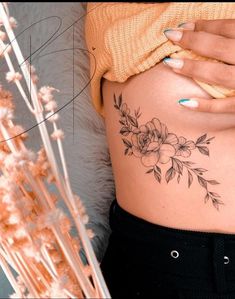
126 38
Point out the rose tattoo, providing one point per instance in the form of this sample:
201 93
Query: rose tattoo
154 145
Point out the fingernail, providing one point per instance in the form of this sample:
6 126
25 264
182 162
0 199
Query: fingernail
174 35
188 103
174 62
187 25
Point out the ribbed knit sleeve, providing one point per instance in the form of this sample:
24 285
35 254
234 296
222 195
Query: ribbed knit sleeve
127 38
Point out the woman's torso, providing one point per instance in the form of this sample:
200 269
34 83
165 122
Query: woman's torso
155 92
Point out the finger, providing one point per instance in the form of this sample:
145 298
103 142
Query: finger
224 27
206 71
204 44
226 105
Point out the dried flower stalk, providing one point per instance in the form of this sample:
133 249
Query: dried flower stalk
35 238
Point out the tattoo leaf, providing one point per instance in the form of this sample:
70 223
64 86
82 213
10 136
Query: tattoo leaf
157 176
170 174
206 198
133 121
190 179
188 163
201 139
124 131
214 194
127 142
150 170
126 151
122 122
204 150
115 100
177 165
210 138
178 178
212 182
202 182
216 202
200 169
157 168
120 100
137 115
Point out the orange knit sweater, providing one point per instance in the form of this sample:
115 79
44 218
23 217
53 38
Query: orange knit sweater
127 38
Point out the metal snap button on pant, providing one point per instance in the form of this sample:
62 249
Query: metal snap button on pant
220 260
226 260
175 254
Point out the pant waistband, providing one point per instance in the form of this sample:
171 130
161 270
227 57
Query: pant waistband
124 222
205 255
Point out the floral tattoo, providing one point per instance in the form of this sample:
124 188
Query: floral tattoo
154 145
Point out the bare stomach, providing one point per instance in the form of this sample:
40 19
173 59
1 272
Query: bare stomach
171 166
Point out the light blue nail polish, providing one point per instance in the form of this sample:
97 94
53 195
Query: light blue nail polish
166 59
183 100
166 31
181 24
190 103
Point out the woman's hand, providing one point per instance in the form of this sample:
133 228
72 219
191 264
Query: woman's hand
213 39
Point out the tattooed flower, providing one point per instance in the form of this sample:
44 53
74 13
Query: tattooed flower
153 144
150 148
143 140
166 151
171 139
150 158
148 137
160 154
183 148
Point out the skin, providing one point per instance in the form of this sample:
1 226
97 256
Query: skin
171 201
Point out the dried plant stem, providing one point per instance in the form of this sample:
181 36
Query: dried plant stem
5 134
96 272
46 195
40 277
31 87
85 284
49 261
34 274
35 187
17 82
7 259
10 276
97 275
20 270
27 278
64 244
52 207
69 294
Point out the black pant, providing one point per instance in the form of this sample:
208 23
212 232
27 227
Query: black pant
146 260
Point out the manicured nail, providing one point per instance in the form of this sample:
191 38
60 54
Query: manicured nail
187 25
188 103
175 63
174 35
